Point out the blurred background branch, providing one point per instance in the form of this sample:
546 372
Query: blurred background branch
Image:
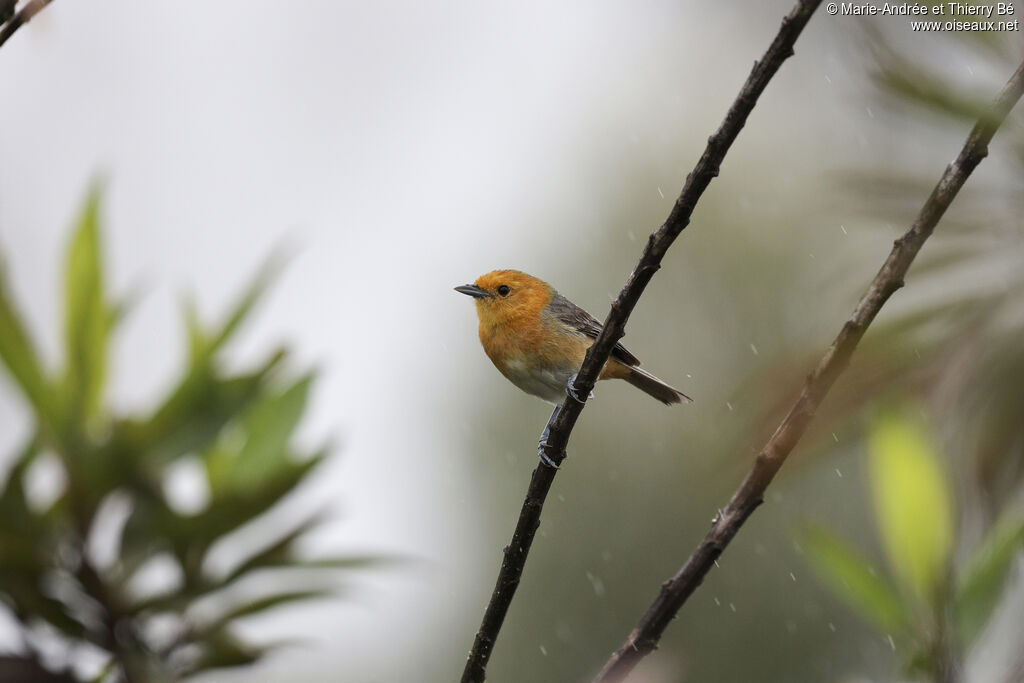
727 522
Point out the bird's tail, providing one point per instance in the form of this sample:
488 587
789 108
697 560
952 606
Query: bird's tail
652 386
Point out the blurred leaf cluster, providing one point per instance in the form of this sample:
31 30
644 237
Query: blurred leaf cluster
930 602
111 566
956 341
954 344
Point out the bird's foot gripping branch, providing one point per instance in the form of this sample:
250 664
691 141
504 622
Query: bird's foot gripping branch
570 390
542 445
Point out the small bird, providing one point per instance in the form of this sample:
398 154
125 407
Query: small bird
537 338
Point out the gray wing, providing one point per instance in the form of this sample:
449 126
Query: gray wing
575 317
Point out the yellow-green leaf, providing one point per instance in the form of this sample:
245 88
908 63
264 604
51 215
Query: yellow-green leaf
204 343
912 502
88 315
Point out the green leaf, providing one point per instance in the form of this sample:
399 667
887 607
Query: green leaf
189 537
261 605
268 427
19 357
912 502
982 581
230 510
88 315
197 342
348 561
277 554
194 414
855 580
23 592
207 345
24 535
222 649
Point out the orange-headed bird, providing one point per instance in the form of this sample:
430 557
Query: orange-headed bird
537 338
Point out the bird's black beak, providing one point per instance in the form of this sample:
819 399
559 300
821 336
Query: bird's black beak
474 291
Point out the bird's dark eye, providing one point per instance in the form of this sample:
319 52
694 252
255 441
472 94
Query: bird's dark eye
503 290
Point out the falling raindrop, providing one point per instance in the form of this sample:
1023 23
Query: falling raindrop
843 228
831 627
729 406
597 584
753 348
660 193
717 601
835 438
792 576
838 473
543 650
732 607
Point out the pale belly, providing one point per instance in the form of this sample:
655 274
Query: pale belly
548 383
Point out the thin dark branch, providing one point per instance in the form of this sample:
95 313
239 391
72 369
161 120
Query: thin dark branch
559 428
676 590
21 18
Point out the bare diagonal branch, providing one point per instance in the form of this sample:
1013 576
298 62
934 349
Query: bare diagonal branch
559 428
21 18
676 590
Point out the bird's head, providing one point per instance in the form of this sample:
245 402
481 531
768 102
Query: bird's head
502 295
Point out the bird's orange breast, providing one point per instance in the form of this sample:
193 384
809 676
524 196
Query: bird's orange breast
520 339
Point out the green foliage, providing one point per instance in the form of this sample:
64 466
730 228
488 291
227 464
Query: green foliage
855 579
914 514
20 360
981 581
956 347
912 502
88 318
239 426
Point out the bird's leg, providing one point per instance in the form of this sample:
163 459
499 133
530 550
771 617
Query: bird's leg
570 388
543 443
